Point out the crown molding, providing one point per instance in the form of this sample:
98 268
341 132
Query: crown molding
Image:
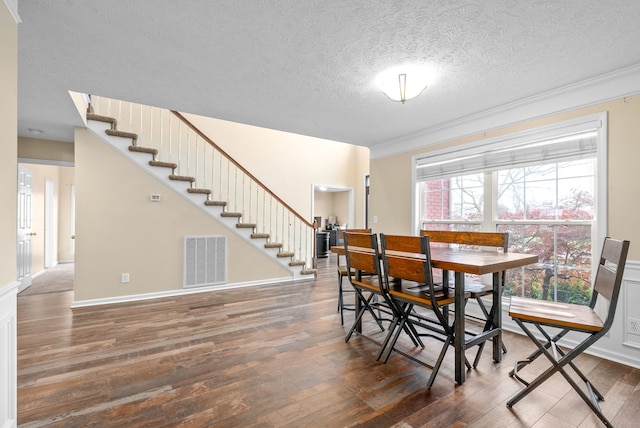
12 6
603 88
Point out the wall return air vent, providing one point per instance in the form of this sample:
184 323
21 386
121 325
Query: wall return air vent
205 261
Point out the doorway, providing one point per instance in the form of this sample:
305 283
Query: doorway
48 223
25 232
334 206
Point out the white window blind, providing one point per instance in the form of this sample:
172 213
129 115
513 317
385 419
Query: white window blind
506 154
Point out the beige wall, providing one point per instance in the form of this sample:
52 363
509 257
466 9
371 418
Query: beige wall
34 148
291 164
341 206
119 230
328 204
391 176
8 144
322 207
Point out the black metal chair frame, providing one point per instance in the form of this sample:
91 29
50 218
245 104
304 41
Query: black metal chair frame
342 306
369 302
477 295
440 328
369 280
343 273
607 284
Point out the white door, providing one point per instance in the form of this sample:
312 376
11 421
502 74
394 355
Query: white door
25 185
73 220
48 224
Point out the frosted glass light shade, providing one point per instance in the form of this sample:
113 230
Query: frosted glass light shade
404 82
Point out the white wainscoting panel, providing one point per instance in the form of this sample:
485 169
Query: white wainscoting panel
630 296
8 356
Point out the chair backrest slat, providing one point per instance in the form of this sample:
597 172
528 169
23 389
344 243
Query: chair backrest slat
610 270
605 281
405 268
341 232
361 251
415 267
363 261
359 240
405 244
482 239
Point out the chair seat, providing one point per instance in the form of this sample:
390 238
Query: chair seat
569 315
566 318
477 289
368 282
417 292
342 270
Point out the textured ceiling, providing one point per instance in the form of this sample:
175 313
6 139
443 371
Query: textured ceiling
307 66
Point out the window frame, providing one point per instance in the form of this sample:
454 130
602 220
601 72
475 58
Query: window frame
596 121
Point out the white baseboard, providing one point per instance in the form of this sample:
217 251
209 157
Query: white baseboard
171 293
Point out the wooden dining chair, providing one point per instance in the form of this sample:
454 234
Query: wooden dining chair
567 318
365 276
477 290
408 280
343 273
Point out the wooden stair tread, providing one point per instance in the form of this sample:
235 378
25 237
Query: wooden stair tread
246 225
199 191
163 164
215 203
555 313
182 178
285 254
141 149
297 263
308 271
260 236
273 245
123 134
99 118
230 214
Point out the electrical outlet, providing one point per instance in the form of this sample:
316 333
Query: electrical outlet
633 326
125 278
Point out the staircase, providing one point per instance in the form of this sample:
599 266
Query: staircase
168 146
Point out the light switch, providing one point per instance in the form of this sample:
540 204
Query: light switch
155 198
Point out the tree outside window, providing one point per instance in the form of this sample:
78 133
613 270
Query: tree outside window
548 210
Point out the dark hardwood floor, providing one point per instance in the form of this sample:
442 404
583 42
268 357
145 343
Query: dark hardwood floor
267 357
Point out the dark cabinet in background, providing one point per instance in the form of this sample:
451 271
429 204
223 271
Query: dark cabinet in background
322 244
333 237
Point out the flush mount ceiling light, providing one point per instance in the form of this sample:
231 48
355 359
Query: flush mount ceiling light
404 82
36 131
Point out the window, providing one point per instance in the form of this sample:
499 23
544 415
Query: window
541 187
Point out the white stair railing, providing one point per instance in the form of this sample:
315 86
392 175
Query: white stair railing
180 142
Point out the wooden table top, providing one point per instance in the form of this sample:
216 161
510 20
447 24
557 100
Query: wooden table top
469 261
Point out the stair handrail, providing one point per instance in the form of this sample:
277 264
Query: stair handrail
239 166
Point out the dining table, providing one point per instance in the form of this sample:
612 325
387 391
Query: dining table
465 261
